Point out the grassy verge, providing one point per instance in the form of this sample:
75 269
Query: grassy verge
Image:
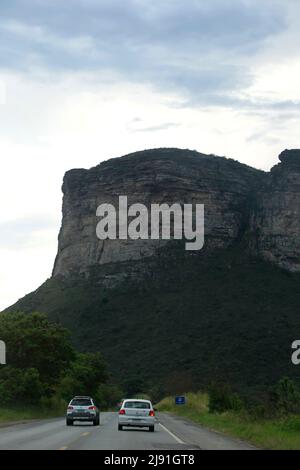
19 413
283 433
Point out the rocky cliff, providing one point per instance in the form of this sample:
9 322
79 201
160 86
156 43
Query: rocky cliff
239 202
276 218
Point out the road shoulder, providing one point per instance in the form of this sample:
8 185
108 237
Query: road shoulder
196 434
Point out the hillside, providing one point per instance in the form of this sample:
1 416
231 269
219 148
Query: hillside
228 312
233 319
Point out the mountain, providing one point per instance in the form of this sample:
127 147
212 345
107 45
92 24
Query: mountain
160 313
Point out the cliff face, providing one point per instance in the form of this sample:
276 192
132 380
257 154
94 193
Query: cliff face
238 200
224 186
276 219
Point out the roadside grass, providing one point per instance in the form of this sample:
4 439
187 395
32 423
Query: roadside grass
277 434
8 415
47 409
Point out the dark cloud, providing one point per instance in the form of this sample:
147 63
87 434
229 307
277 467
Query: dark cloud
191 47
234 23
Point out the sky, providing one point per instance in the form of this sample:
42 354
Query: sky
82 81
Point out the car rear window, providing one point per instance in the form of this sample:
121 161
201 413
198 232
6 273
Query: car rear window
81 402
137 404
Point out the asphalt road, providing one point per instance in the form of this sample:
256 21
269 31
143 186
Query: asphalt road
171 433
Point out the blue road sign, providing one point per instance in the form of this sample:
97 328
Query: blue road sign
179 400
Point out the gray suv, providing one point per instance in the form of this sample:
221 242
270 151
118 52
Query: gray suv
82 409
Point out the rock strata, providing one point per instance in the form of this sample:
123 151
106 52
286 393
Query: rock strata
240 202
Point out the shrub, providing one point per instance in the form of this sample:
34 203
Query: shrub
20 386
55 404
286 396
221 398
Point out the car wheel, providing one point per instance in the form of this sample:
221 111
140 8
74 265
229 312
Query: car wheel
96 422
151 428
69 422
120 427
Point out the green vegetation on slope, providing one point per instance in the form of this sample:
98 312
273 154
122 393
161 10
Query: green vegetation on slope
275 433
225 316
43 370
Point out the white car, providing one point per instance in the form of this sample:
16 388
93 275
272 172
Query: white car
137 413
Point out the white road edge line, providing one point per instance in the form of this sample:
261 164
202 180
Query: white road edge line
171 434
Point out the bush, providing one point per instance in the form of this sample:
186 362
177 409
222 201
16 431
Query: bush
221 399
20 386
53 404
286 397
291 424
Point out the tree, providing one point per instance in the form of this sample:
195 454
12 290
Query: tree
20 386
133 385
41 362
86 373
221 399
33 342
108 396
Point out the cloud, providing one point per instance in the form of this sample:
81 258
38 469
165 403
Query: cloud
195 49
153 128
74 45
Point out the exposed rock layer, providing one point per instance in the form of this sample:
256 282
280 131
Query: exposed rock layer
276 218
240 202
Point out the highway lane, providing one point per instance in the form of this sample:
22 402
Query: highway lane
172 433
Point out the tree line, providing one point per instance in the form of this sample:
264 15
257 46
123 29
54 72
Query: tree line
42 366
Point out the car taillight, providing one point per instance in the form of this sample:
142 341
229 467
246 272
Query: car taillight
122 412
70 407
151 413
92 407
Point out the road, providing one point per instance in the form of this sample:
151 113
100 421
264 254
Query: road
171 433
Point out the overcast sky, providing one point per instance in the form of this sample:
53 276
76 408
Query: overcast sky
85 80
